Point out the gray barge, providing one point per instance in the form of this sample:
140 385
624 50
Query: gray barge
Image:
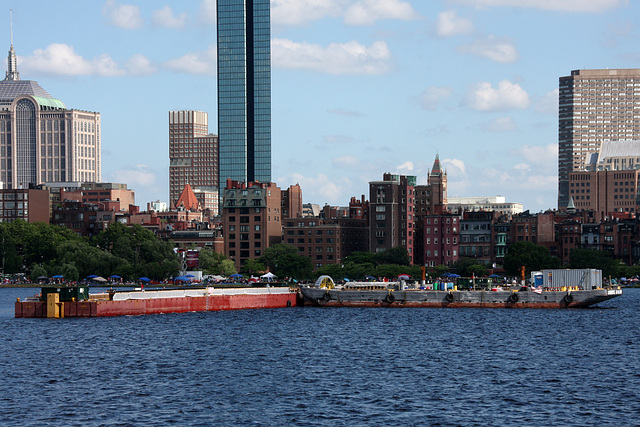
395 294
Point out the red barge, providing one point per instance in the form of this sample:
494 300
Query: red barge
77 302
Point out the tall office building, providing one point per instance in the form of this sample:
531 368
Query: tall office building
193 158
392 213
244 90
595 106
40 139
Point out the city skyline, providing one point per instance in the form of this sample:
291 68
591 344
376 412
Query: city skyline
359 88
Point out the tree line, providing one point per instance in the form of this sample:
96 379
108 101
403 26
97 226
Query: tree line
42 250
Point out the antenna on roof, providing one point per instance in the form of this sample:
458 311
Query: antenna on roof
12 70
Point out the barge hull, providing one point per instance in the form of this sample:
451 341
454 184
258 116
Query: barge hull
138 304
455 299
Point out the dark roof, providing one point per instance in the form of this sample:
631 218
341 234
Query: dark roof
11 89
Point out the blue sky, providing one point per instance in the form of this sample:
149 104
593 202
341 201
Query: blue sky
359 87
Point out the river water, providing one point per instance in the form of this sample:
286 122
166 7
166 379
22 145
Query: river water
324 367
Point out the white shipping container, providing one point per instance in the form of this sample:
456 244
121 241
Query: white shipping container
584 278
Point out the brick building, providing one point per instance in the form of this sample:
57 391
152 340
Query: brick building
251 218
31 205
392 210
441 239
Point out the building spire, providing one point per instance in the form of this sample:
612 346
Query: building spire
12 70
436 169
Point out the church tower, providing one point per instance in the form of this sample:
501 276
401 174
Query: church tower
437 181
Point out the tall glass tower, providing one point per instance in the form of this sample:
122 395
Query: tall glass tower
244 90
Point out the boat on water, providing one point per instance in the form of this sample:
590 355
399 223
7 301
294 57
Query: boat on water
325 293
76 301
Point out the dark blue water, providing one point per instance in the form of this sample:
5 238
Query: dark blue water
324 367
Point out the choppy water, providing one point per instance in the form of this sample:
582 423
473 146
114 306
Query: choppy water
324 367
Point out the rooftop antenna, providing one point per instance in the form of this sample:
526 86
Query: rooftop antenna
12 70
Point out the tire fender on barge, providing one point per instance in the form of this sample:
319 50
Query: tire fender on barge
513 298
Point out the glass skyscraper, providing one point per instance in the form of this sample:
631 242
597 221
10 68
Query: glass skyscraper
244 90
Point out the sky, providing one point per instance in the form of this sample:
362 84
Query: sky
359 87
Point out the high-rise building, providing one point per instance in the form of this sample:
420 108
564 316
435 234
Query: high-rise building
595 106
251 218
392 211
40 139
193 158
244 90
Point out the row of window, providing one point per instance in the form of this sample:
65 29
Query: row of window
244 228
318 232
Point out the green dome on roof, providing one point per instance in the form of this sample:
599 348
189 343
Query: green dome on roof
52 103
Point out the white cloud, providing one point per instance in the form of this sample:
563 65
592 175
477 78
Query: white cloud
301 12
432 96
207 12
406 167
337 58
367 12
195 62
337 139
122 15
454 167
136 176
496 49
320 187
61 59
450 24
564 5
507 96
139 65
345 113
165 18
548 103
501 124
522 167
538 155
346 162
518 179
360 12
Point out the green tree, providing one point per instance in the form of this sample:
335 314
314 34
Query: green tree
397 255
283 261
138 251
468 266
533 257
213 263
361 258
252 267
36 242
273 255
587 258
227 267
38 271
11 260
439 270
